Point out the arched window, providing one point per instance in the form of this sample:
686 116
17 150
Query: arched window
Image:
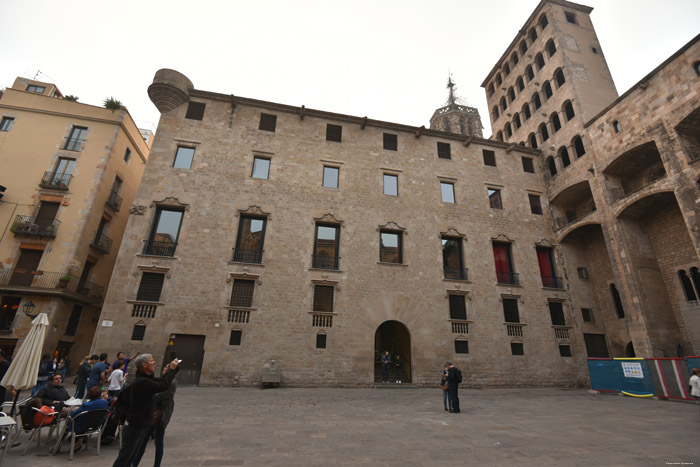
578 144
526 111
498 79
618 303
509 130
504 104
520 83
533 34
514 58
552 166
547 88
569 110
494 112
536 100
551 48
533 141
616 126
516 120
559 77
695 276
564 155
530 74
696 67
539 61
543 21
511 93
499 136
491 90
506 69
543 131
556 124
523 47
687 286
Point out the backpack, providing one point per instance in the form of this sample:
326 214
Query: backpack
458 375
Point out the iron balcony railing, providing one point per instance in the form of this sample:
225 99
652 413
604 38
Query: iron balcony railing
152 247
456 274
114 201
102 243
55 181
49 280
552 282
242 255
28 225
73 144
508 278
325 262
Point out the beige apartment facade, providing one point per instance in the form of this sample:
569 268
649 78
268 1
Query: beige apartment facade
69 171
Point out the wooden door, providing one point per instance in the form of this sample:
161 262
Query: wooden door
190 349
46 215
28 261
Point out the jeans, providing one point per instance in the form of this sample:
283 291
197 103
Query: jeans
454 398
446 400
80 389
131 440
159 435
385 373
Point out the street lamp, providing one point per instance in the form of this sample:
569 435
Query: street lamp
28 308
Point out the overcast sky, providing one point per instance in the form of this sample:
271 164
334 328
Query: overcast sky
388 60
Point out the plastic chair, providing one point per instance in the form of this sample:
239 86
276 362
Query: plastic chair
27 414
5 437
93 422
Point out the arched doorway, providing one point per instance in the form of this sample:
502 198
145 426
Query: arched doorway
392 336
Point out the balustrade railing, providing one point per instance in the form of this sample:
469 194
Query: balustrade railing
325 262
242 255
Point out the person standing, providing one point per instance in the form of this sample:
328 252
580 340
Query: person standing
98 372
116 379
140 404
695 384
398 363
454 377
83 374
44 371
443 384
386 361
121 356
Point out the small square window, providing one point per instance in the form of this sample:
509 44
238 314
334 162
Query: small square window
535 204
594 50
36 89
448 192
587 315
461 346
195 111
391 185
330 177
444 151
235 338
565 350
528 166
321 341
127 155
183 158
391 142
495 199
570 17
516 348
6 123
138 333
261 168
489 158
334 133
268 122
582 273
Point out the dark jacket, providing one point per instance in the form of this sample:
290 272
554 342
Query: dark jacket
141 392
84 371
452 378
50 393
164 401
443 379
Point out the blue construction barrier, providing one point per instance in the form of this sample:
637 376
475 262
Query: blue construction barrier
634 376
603 374
693 362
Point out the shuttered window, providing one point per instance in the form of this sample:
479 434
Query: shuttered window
138 333
461 346
242 294
556 311
596 346
517 348
321 341
510 310
334 133
323 298
151 286
458 307
235 338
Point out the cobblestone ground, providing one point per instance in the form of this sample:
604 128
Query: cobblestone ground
408 427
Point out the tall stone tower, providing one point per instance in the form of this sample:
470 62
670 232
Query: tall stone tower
455 117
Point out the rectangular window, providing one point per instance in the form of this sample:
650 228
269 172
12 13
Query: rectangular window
36 89
321 341
250 240
489 158
391 142
63 174
235 338
448 192
326 247
261 168
570 17
242 293
183 157
504 264
556 312
391 185
582 273
74 320
150 287
458 307
535 204
195 110
495 199
165 232
76 138
138 333
127 155
461 346
596 346
334 133
452 264
528 165
330 176
6 123
443 150
565 350
8 309
390 247
323 298
511 314
587 315
548 272
517 348
267 122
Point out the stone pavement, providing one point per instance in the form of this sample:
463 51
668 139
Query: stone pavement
408 427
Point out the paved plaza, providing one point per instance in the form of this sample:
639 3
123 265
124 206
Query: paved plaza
408 427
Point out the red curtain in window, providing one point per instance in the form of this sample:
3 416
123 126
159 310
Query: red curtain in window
500 256
545 263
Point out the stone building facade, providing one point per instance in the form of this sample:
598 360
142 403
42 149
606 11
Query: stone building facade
69 172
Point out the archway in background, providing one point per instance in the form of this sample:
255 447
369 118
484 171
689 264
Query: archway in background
392 336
